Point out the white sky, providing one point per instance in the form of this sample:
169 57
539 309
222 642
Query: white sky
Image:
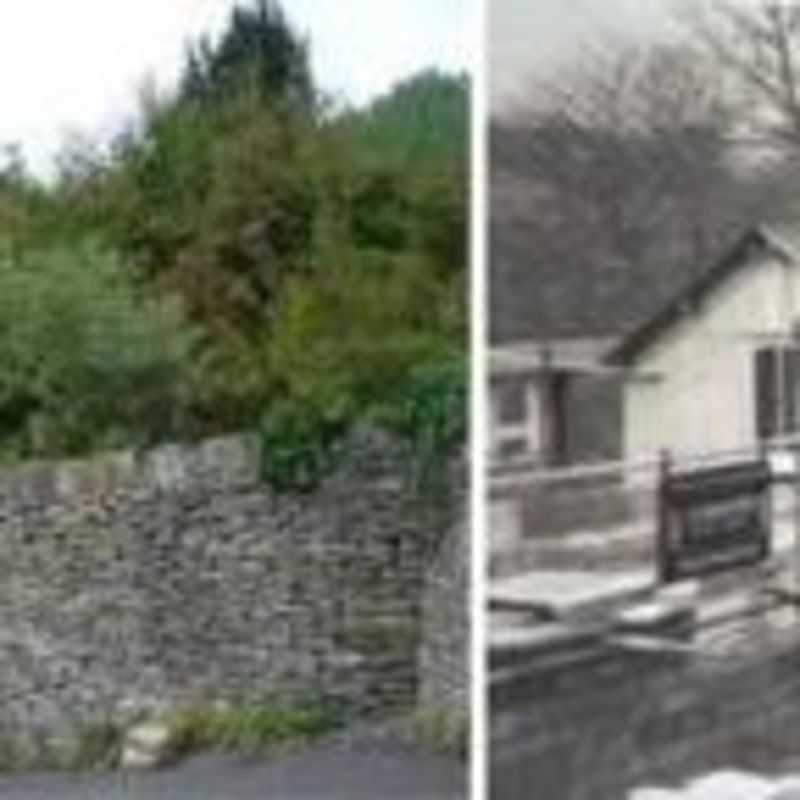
75 66
528 36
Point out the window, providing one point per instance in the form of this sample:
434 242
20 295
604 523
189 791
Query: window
510 401
777 390
513 448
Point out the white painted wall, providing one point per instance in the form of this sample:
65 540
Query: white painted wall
704 398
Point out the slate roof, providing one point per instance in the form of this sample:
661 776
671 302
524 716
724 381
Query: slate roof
781 240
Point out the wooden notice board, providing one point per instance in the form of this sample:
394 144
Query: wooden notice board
713 519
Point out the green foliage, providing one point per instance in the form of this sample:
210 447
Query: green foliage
368 335
430 410
86 359
148 200
298 446
249 729
257 46
22 201
238 258
98 747
347 337
244 730
255 226
425 117
442 730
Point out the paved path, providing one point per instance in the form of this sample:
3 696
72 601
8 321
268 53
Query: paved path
384 771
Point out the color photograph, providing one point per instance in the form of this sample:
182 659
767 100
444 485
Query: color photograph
234 383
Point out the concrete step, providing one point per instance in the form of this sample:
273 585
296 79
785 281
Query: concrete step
571 596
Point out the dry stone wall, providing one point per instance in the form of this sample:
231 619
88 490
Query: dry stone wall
179 577
445 635
593 722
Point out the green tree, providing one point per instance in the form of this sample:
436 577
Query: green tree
255 227
425 117
86 360
258 46
320 260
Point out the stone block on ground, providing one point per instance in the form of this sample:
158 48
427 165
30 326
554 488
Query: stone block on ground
146 746
730 785
656 619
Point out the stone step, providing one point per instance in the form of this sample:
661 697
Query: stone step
515 646
571 596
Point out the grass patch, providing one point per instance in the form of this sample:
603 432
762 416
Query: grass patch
13 755
99 746
244 730
442 730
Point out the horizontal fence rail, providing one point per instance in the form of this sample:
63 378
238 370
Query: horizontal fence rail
608 514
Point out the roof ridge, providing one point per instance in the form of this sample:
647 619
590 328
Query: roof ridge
688 296
773 234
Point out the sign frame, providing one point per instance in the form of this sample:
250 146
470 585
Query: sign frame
713 519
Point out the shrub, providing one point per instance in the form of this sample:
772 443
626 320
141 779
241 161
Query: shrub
87 359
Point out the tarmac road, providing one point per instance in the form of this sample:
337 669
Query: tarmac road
386 771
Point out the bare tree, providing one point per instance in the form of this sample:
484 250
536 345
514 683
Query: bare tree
758 47
623 163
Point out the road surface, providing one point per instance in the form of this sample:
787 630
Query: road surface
384 771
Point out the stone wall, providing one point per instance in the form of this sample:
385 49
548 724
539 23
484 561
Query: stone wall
178 576
590 722
445 640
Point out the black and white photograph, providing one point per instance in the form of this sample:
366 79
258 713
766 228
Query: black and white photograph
643 414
